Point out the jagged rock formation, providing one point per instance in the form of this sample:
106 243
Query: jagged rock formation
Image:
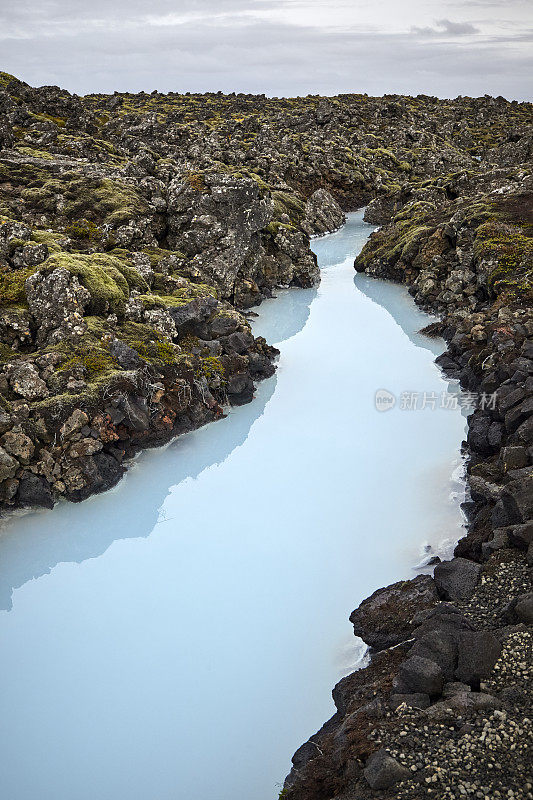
134 232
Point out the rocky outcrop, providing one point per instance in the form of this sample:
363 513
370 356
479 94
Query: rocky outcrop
56 303
383 620
322 214
216 222
418 717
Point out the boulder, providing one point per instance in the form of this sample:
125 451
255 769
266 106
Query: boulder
517 496
455 687
240 388
478 433
444 617
77 420
57 302
514 457
85 447
161 320
189 316
518 414
136 414
34 490
521 536
439 646
25 381
382 771
419 675
15 327
223 325
477 652
463 703
386 617
457 579
524 608
124 355
18 445
238 342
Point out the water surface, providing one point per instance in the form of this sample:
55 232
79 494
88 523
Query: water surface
178 637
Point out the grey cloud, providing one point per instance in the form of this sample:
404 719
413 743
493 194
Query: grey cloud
456 28
245 54
445 27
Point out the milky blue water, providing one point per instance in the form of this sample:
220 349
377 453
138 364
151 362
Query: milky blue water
179 636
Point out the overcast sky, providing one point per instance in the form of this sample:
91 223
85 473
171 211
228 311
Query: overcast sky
279 47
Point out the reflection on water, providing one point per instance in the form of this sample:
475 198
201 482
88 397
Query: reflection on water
32 545
396 300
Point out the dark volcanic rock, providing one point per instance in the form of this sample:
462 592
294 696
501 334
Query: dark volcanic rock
322 213
478 651
419 700
35 491
419 675
382 771
439 646
524 608
386 617
456 579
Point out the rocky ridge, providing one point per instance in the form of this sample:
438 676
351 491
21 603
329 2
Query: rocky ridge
136 231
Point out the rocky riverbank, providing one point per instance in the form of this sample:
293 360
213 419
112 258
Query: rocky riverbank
445 707
136 231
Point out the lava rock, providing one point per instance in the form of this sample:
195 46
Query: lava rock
524 608
419 675
439 646
382 771
457 579
386 617
418 700
477 653
34 491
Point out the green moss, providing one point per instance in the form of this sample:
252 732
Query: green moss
15 244
159 351
513 253
49 238
410 239
7 354
158 254
73 195
290 204
393 243
275 226
61 405
197 181
149 343
84 229
97 326
12 285
33 153
6 78
119 203
106 277
209 367
94 361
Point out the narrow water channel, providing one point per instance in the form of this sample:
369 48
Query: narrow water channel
179 636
